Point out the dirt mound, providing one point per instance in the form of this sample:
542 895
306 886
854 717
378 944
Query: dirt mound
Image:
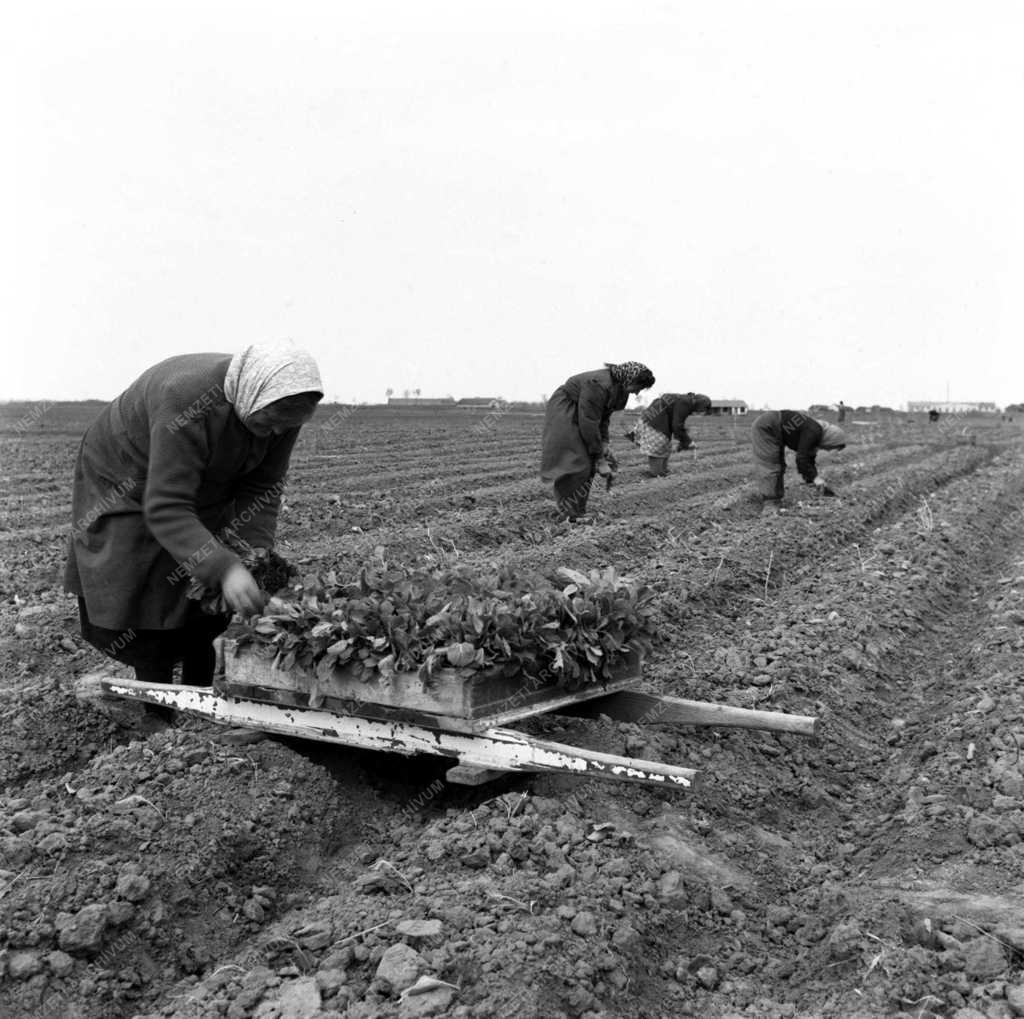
153 861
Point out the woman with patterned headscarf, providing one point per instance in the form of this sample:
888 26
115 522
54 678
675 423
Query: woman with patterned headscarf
192 455
663 421
575 445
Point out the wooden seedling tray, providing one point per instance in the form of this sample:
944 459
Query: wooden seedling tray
456 699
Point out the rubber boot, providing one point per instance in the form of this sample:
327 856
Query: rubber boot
657 466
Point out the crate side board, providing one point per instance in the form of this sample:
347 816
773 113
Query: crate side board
484 697
406 690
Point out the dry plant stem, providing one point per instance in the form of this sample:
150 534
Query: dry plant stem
149 803
518 902
444 556
10 884
394 870
228 965
433 984
926 999
767 576
513 809
360 934
981 930
924 515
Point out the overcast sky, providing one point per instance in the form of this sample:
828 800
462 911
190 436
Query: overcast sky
782 202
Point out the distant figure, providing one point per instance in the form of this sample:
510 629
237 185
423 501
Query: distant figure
772 433
575 444
663 421
933 415
842 412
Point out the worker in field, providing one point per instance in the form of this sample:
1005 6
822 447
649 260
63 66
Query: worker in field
192 453
776 430
575 446
663 421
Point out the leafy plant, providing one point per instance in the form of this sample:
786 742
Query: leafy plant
572 627
270 571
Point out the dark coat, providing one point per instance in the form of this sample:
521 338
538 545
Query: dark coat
162 467
802 434
668 415
576 423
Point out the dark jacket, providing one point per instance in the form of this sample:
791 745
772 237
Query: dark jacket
802 434
668 415
576 423
163 467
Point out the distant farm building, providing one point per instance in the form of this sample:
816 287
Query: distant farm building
728 407
421 401
483 402
951 407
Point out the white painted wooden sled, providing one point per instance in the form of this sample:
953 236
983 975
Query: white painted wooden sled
462 716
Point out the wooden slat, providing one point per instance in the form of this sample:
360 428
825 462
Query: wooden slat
89 689
467 774
384 712
632 706
502 749
447 696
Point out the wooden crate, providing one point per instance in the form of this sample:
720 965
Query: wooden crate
468 702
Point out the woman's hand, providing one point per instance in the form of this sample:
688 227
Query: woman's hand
241 592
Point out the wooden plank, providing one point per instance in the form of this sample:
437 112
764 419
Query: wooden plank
502 749
291 697
633 706
487 697
360 709
467 774
89 689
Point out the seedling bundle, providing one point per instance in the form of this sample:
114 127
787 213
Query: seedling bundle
570 629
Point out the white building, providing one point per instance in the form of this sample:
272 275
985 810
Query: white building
951 407
728 407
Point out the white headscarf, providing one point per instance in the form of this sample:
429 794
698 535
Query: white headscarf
266 372
832 436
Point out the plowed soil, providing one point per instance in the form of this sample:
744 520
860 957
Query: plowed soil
877 870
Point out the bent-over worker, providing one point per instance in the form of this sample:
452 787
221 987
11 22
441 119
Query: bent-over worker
198 445
775 430
663 421
575 445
